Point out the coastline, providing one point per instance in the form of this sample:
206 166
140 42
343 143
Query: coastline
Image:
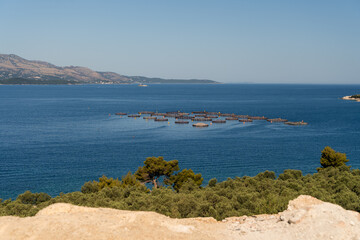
350 98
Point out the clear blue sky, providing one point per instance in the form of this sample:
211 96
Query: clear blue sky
307 41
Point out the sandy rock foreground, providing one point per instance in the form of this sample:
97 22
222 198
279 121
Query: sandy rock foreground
305 218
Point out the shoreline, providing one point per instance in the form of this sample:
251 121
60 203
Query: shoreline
350 98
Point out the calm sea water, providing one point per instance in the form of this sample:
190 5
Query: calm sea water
54 138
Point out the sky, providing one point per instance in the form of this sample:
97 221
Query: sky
231 41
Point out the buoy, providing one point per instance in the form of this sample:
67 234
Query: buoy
135 118
211 123
243 122
270 121
109 114
168 122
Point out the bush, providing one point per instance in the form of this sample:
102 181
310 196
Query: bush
290 174
185 176
90 187
33 198
212 182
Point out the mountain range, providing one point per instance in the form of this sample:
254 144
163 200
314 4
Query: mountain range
17 70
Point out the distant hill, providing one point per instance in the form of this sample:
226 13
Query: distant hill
17 70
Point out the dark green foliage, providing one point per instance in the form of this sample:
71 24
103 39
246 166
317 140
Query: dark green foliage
290 174
212 182
266 174
104 182
331 158
234 197
185 176
155 168
355 96
33 198
90 187
129 180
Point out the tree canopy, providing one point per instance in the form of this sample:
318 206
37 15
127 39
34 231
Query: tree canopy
263 193
331 158
177 181
156 167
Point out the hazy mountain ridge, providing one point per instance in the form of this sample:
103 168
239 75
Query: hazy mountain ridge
15 67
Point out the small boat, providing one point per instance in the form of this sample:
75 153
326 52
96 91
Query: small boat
142 85
200 125
121 113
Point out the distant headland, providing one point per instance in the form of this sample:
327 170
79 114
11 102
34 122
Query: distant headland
353 97
15 70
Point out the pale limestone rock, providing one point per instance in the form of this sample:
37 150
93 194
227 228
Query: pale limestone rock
306 218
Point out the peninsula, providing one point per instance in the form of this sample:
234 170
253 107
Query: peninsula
353 97
15 70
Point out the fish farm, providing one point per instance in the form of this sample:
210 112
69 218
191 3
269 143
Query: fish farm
203 116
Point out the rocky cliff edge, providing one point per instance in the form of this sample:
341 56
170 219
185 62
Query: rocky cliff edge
305 218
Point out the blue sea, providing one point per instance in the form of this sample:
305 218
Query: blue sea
55 138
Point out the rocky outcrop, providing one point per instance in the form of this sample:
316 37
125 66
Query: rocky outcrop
305 218
351 98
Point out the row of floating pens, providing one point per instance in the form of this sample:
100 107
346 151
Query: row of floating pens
205 116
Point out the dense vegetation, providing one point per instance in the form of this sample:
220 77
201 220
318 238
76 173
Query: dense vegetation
180 194
355 96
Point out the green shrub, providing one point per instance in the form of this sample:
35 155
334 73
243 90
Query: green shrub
234 197
33 198
212 182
